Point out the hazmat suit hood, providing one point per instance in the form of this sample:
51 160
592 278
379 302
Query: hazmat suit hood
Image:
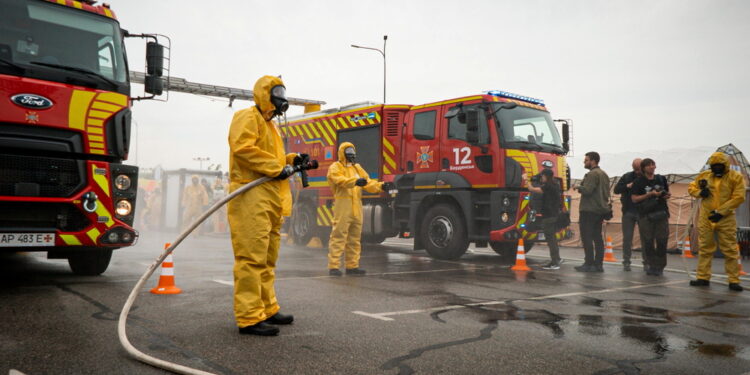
262 95
342 147
719 158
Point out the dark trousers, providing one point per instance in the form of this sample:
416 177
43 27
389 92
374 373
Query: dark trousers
629 219
549 226
591 236
654 232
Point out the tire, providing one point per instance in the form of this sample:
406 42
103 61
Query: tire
508 250
90 263
443 232
373 239
303 223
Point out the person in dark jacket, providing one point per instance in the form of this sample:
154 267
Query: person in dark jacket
594 209
551 205
651 192
624 187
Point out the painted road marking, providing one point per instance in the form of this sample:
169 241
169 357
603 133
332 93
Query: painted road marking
385 316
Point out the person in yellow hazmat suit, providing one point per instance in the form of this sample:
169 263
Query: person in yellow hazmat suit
347 179
255 217
194 197
721 191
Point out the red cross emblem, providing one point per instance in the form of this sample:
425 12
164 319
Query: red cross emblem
47 238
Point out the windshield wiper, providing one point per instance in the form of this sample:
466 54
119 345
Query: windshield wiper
12 64
87 72
556 147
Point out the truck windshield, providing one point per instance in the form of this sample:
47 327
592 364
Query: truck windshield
527 128
47 41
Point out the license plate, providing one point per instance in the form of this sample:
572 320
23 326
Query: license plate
26 239
540 236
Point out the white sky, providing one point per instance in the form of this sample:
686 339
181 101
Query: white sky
633 75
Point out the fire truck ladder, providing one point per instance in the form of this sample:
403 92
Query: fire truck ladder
182 85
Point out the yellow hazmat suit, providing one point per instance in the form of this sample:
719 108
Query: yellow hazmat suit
194 198
255 217
727 193
346 231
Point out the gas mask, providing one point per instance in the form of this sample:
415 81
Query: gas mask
350 154
278 99
718 169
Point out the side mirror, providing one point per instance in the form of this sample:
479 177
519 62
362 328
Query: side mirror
154 85
472 126
154 59
566 136
452 112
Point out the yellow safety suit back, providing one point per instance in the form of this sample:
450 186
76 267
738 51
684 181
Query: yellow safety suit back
346 231
726 194
255 217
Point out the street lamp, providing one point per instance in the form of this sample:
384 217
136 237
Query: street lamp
385 39
201 160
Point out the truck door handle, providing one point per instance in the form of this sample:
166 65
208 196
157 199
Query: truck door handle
446 163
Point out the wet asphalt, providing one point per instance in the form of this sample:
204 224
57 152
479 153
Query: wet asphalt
410 314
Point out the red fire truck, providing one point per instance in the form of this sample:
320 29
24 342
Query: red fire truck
65 131
457 166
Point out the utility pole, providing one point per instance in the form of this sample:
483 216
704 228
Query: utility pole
382 52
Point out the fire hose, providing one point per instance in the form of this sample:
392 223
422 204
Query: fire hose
303 166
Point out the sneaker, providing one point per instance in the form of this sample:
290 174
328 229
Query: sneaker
280 318
334 272
699 282
260 329
735 287
598 268
355 271
552 266
626 267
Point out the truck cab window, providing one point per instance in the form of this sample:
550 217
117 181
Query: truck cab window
457 130
424 125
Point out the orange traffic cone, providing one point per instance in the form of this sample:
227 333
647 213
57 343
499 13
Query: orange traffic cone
520 258
687 252
739 261
166 280
609 255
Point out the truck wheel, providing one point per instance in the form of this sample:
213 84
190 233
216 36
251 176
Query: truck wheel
507 250
303 224
90 263
443 232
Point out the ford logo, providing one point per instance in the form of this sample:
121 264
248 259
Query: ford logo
547 164
31 101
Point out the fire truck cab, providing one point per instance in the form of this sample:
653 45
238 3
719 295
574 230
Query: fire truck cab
457 166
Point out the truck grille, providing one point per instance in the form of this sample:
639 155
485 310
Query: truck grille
34 176
30 216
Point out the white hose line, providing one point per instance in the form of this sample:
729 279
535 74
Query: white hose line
121 324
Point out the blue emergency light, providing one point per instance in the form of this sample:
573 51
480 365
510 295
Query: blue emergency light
510 95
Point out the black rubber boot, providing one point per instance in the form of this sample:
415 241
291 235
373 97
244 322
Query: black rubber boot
334 272
699 282
735 287
355 271
280 318
260 329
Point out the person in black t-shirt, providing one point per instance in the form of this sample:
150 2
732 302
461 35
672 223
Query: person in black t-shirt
551 204
624 187
650 193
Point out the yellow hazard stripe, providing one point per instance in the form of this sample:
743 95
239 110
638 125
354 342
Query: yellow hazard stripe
388 145
70 239
101 211
386 170
389 160
104 106
79 105
114 98
100 180
93 234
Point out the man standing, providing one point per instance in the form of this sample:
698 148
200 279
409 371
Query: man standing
347 179
194 198
650 193
721 190
551 203
624 187
594 208
256 150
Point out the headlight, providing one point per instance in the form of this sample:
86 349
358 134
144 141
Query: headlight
127 237
506 201
504 217
113 237
122 182
123 208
